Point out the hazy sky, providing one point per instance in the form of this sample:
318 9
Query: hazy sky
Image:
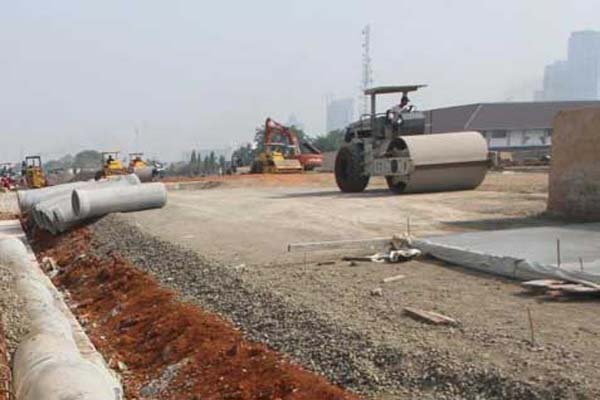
78 74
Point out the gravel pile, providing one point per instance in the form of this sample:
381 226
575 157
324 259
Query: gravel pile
16 324
342 355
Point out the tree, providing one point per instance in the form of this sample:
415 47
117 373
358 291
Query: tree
206 166
64 162
193 167
212 159
329 142
88 159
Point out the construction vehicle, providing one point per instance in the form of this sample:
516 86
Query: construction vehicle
111 165
394 145
136 161
33 172
284 156
138 166
7 177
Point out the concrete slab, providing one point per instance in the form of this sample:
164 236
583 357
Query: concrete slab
526 253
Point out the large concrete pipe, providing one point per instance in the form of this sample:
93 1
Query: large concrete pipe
63 216
29 198
144 173
89 203
55 213
49 363
443 162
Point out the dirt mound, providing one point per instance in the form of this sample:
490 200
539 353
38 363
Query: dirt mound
166 348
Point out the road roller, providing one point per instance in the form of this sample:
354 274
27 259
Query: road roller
394 145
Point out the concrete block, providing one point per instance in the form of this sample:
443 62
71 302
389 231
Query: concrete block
575 167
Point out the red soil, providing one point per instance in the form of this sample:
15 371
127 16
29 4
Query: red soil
132 320
6 215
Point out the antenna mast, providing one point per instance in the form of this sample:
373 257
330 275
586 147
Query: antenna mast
367 72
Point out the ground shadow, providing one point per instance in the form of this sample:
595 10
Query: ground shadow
336 194
492 224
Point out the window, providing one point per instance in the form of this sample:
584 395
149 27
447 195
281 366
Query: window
498 134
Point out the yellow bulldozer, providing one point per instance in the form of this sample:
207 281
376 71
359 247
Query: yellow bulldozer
33 172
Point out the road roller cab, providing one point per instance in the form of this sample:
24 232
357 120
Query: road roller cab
393 144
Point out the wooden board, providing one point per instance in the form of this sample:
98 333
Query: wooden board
429 316
340 244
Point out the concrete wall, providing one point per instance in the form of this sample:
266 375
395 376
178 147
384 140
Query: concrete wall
575 167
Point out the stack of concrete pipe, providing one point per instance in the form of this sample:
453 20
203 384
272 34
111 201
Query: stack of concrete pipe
55 360
59 208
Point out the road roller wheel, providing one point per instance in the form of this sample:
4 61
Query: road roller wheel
396 185
348 170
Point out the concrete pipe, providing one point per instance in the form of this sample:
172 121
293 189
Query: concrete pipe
95 203
49 363
27 199
144 173
55 213
445 161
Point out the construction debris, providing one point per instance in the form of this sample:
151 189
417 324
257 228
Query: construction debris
430 317
393 256
560 288
393 278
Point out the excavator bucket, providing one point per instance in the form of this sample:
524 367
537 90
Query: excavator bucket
287 166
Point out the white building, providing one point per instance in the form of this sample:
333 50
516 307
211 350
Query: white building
506 126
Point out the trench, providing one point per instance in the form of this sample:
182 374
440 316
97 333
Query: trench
163 347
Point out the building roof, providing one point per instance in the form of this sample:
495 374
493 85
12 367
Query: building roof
501 116
393 89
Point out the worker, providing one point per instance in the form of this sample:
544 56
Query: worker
110 159
393 114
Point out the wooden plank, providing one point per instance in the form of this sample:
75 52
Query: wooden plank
339 244
393 278
542 284
429 316
570 286
576 288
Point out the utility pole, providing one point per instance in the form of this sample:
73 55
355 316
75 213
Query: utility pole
367 72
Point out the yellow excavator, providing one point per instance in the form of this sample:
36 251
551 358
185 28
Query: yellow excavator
33 172
278 157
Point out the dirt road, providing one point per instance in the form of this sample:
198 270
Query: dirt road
246 225
253 222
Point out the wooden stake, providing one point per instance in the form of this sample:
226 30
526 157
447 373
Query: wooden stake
393 278
531 326
581 264
558 253
408 226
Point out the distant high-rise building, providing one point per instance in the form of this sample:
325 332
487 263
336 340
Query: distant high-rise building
578 77
340 113
295 122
